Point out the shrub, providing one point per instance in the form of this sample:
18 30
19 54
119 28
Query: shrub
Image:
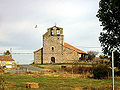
117 73
104 87
78 69
82 69
103 57
2 83
101 71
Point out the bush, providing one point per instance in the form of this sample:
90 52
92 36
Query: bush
101 71
77 69
2 83
117 73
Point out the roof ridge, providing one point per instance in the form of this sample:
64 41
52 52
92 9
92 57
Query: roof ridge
6 58
74 48
38 50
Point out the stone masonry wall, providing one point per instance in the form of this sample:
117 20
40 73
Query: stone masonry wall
37 57
70 55
53 46
57 43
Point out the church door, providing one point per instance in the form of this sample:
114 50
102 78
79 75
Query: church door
53 59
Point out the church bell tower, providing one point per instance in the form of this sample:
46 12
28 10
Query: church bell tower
53 41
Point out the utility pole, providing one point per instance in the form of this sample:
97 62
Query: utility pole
113 69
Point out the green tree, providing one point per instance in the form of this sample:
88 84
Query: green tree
7 53
103 57
101 71
109 15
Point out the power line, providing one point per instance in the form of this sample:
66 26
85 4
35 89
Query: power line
18 53
21 53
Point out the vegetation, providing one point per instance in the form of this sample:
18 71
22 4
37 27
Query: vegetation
78 69
101 71
79 63
109 15
7 53
2 82
18 81
92 55
57 78
103 57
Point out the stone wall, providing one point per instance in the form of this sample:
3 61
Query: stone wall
70 55
52 47
38 56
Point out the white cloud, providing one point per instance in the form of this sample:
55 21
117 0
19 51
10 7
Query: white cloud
76 17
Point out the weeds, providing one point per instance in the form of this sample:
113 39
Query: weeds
2 82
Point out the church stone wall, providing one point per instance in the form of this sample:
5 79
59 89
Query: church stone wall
70 55
55 42
53 46
37 57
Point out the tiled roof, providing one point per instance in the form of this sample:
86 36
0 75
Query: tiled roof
73 48
6 58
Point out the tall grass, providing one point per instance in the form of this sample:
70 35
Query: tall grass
2 82
79 69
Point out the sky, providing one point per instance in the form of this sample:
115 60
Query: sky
18 18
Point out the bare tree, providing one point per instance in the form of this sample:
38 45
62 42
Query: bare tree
92 54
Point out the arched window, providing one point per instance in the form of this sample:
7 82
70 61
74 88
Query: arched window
52 33
58 32
52 48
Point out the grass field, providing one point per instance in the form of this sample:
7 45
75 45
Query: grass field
82 63
58 65
18 81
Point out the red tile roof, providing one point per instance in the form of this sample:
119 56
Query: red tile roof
73 48
6 58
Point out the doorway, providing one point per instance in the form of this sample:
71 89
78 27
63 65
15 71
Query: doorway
53 59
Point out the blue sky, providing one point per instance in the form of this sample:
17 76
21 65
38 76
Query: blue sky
77 18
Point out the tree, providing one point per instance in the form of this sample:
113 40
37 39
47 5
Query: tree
92 55
101 71
7 53
103 57
109 15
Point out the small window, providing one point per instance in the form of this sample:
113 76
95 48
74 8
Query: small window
52 48
52 32
58 32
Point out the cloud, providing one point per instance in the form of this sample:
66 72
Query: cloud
76 17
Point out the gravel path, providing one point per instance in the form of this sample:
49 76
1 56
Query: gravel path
27 68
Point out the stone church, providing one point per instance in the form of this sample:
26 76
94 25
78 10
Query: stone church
55 50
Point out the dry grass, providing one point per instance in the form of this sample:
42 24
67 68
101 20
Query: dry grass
71 71
83 75
60 81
